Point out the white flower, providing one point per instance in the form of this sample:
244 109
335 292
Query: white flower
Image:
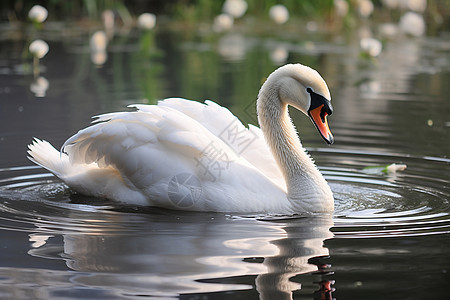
38 13
99 57
279 13
365 8
371 46
388 30
98 41
235 8
146 21
341 7
223 22
38 48
108 20
412 23
98 44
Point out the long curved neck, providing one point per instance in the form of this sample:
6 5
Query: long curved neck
307 189
282 137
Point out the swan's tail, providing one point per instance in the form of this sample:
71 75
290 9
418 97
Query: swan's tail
44 154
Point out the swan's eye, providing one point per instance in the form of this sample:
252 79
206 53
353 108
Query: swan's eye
319 100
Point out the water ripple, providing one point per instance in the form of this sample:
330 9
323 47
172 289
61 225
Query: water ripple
412 202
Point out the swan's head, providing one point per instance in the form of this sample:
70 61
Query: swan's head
303 88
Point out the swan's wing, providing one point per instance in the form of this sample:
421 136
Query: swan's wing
113 134
150 147
248 143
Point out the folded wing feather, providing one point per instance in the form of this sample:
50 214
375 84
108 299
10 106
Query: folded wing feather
178 130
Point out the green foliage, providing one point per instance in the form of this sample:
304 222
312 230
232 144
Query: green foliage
295 7
187 10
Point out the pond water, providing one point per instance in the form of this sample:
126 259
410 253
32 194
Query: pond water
388 239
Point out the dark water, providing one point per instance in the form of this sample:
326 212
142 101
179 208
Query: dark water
389 237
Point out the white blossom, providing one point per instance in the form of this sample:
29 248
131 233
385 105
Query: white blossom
223 22
235 8
38 48
279 13
38 13
98 42
146 21
371 46
413 24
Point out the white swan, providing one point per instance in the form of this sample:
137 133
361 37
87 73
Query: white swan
187 155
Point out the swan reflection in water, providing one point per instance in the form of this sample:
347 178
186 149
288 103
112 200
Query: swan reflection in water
173 254
300 252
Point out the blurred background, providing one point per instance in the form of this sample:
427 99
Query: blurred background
387 65
101 55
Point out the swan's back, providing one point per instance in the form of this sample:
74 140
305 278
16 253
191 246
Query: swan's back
177 154
246 142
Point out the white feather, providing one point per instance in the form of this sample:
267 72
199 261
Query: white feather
183 154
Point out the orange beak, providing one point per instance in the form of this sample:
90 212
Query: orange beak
319 117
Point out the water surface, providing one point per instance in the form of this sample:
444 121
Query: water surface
389 237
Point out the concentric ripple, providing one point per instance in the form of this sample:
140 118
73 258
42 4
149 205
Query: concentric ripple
411 202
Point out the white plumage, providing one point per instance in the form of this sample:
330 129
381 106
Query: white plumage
183 154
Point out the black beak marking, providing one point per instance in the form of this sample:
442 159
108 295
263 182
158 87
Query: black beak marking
317 100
